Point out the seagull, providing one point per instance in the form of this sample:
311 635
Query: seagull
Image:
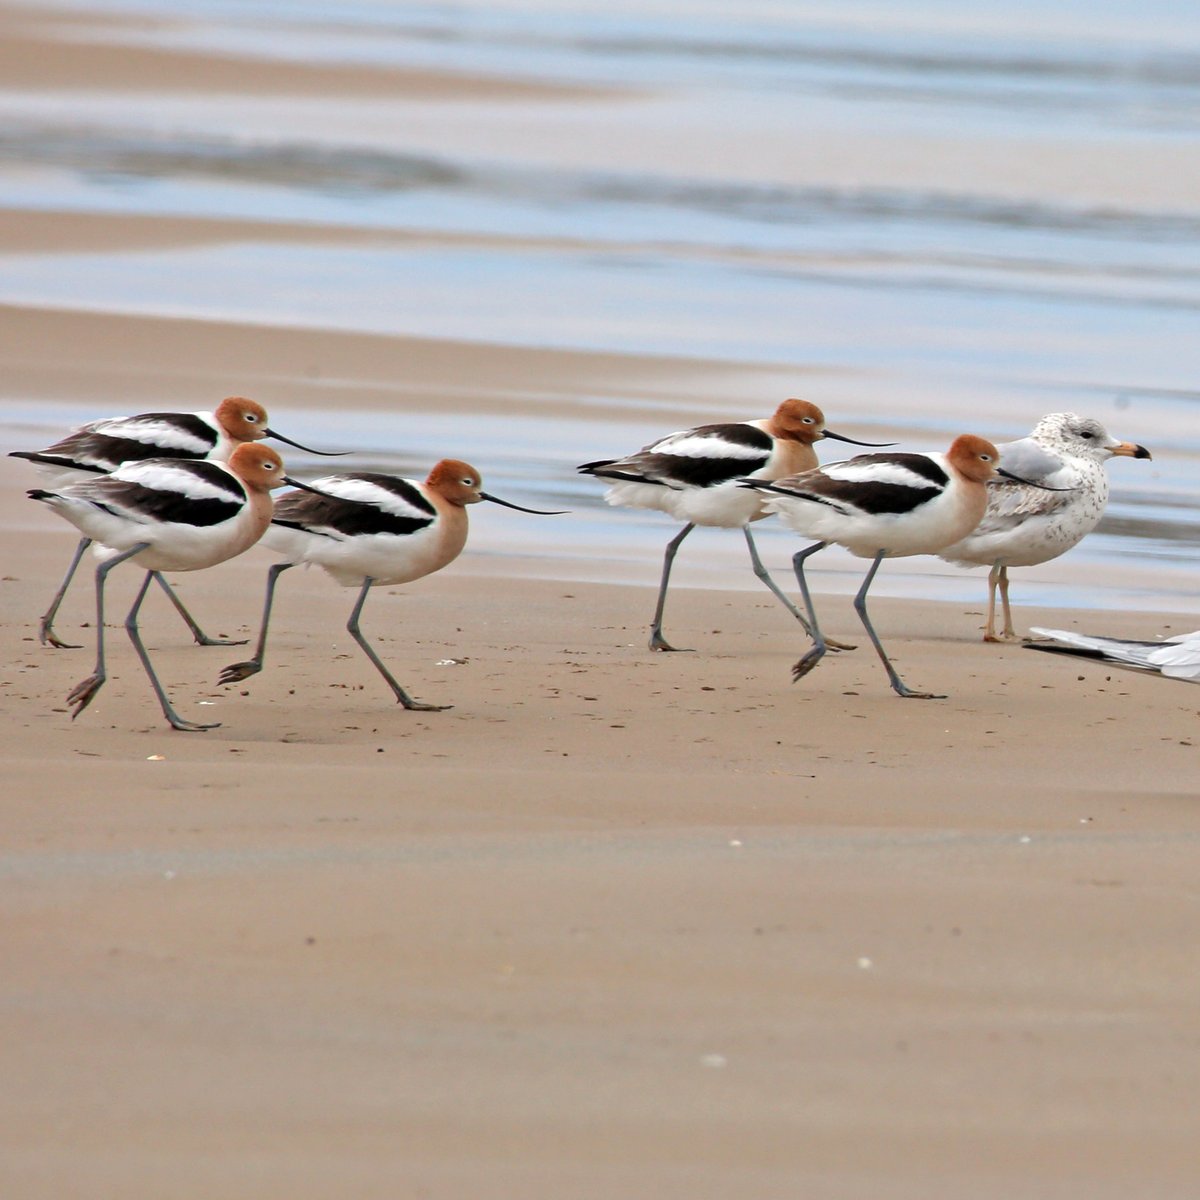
366 528
693 474
1024 526
882 506
100 447
1173 658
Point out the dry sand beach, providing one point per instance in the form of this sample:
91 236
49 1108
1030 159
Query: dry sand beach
617 924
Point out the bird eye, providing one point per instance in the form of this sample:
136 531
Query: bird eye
251 419
1085 434
985 458
808 420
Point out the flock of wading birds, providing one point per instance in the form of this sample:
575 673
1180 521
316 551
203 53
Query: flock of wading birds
184 491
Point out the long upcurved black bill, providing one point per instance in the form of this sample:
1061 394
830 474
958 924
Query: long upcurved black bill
541 512
839 437
307 449
305 487
1041 487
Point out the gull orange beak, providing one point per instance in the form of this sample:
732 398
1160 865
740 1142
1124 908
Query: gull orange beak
1131 450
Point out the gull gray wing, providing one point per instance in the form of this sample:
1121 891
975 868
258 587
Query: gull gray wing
1030 460
1010 501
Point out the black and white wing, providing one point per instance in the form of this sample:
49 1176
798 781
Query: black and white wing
357 504
699 458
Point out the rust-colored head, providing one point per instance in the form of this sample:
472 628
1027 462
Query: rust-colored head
797 421
974 458
456 482
242 420
259 467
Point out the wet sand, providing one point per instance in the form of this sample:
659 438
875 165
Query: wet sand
616 923
62 51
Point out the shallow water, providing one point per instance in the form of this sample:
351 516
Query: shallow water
962 216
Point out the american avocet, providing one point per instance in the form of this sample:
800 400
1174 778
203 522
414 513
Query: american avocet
367 528
167 515
882 506
693 474
1024 526
102 446
1173 658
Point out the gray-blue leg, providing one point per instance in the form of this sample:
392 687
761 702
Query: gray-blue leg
401 695
201 638
84 691
817 652
177 722
860 606
243 670
657 641
779 595
46 634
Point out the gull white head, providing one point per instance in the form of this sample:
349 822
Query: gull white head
1084 437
